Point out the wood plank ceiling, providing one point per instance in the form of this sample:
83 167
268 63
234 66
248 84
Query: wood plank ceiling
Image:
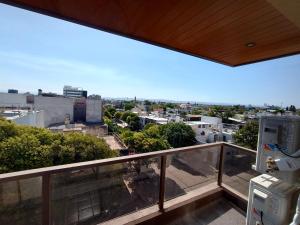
218 30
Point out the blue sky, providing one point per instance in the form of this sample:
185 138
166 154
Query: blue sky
37 51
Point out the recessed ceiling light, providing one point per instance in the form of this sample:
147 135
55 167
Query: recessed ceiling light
250 44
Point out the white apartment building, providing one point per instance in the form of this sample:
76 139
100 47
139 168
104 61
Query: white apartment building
152 119
205 132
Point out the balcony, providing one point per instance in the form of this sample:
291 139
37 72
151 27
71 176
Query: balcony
203 184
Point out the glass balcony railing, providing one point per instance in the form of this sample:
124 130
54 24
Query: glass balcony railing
104 192
237 168
101 190
21 201
187 171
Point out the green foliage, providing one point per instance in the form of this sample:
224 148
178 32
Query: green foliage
178 134
109 112
171 105
118 115
23 152
226 115
87 147
158 137
197 112
112 127
141 142
128 106
147 102
152 130
247 136
132 120
7 129
24 147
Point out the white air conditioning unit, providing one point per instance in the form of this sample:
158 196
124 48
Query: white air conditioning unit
279 136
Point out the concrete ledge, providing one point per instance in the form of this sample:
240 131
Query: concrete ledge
176 206
236 197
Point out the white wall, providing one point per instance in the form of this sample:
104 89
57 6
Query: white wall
93 110
212 120
13 100
55 108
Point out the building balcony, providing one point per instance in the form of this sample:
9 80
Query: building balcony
203 184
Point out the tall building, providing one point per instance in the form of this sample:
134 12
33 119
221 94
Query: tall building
74 92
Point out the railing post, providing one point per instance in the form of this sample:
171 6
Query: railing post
162 183
46 200
220 167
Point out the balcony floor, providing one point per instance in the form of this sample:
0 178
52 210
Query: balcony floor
218 212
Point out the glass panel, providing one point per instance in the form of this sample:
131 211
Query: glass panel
237 170
20 202
94 195
190 170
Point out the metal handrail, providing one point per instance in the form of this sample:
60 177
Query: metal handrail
239 147
94 163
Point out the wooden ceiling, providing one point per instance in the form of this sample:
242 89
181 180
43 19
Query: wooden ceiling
218 30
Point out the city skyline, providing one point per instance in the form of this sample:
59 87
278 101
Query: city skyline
47 53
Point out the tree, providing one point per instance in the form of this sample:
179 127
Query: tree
152 130
226 115
171 105
197 111
7 129
112 127
247 136
132 120
109 112
129 105
147 102
23 152
178 134
292 108
118 115
140 142
25 147
87 147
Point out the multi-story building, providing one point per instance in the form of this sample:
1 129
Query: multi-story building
57 108
74 92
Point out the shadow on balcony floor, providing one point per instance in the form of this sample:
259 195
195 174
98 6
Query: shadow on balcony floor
218 212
